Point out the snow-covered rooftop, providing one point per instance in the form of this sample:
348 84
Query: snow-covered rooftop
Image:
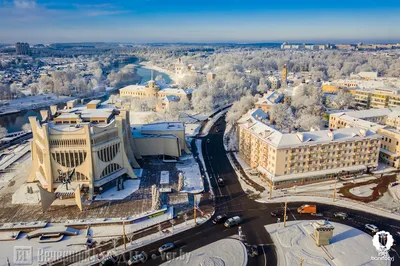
273 97
370 113
278 139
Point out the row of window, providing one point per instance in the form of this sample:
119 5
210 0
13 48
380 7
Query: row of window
69 158
108 153
67 142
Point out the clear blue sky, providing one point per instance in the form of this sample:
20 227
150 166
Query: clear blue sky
43 21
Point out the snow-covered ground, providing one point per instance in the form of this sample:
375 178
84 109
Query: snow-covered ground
228 251
212 121
32 102
191 130
349 246
193 182
21 196
130 186
363 191
346 203
47 252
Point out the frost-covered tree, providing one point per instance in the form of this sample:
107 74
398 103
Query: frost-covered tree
309 121
282 115
27 127
239 108
126 76
343 100
3 132
46 84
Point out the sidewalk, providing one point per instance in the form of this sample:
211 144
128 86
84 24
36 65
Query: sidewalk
135 243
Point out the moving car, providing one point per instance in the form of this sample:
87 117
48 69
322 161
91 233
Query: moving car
341 215
166 247
371 228
307 208
253 251
208 140
138 258
221 182
220 219
235 220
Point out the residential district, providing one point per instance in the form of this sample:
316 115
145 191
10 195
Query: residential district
105 164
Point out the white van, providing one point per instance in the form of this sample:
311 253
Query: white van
235 220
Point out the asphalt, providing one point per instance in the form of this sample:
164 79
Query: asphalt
232 200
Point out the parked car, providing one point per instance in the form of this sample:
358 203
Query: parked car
277 212
235 220
138 258
208 140
341 215
220 219
307 208
220 182
166 247
371 228
109 261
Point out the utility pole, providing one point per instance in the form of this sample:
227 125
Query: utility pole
284 214
334 190
123 230
270 190
301 261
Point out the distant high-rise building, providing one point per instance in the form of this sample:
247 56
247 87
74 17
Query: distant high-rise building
284 76
22 48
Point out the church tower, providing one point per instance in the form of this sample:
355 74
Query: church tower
284 76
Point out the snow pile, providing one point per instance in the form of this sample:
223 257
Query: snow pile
193 181
223 252
191 130
21 196
212 121
130 186
349 246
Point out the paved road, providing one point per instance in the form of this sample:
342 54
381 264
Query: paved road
232 200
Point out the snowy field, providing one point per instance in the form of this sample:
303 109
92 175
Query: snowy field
130 186
230 252
349 246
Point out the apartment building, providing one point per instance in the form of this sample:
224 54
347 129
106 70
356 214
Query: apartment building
288 159
378 98
384 122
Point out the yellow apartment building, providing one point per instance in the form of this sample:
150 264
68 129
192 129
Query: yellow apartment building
288 159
